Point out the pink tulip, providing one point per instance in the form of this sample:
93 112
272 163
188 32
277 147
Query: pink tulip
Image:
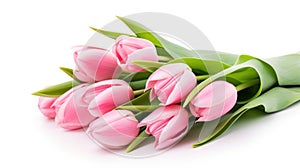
45 106
128 49
167 124
114 129
171 83
215 100
107 95
95 64
71 109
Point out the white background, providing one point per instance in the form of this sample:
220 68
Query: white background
36 37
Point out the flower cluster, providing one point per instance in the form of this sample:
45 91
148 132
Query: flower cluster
131 91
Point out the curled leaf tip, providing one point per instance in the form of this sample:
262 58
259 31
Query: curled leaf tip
35 94
93 28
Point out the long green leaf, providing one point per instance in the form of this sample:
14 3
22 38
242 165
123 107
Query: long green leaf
274 100
141 31
139 139
149 66
200 66
56 90
110 34
287 69
139 108
141 100
226 58
68 71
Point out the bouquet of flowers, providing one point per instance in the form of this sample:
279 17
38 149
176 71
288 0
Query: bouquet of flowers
147 86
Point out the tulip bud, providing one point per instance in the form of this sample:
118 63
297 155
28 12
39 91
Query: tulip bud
114 129
128 49
171 83
167 124
107 95
95 64
45 106
213 101
71 109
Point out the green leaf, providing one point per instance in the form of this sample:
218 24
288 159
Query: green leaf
172 49
110 34
68 71
139 108
140 30
226 58
141 100
287 69
139 139
136 85
162 52
200 66
149 66
259 69
274 100
56 90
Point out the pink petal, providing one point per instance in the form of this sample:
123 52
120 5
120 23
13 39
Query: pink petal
45 106
214 101
164 88
183 87
178 123
137 43
145 54
71 111
82 76
109 99
158 114
115 129
214 93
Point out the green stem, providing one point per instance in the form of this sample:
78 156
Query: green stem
247 84
202 77
139 139
138 92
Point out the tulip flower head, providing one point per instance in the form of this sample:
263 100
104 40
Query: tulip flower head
167 124
45 106
95 64
114 129
214 101
128 49
71 109
171 83
106 95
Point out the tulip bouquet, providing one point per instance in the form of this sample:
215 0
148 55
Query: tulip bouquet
148 86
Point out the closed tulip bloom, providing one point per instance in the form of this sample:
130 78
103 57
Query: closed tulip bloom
45 106
128 49
71 109
171 83
215 100
107 95
167 124
114 129
95 64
